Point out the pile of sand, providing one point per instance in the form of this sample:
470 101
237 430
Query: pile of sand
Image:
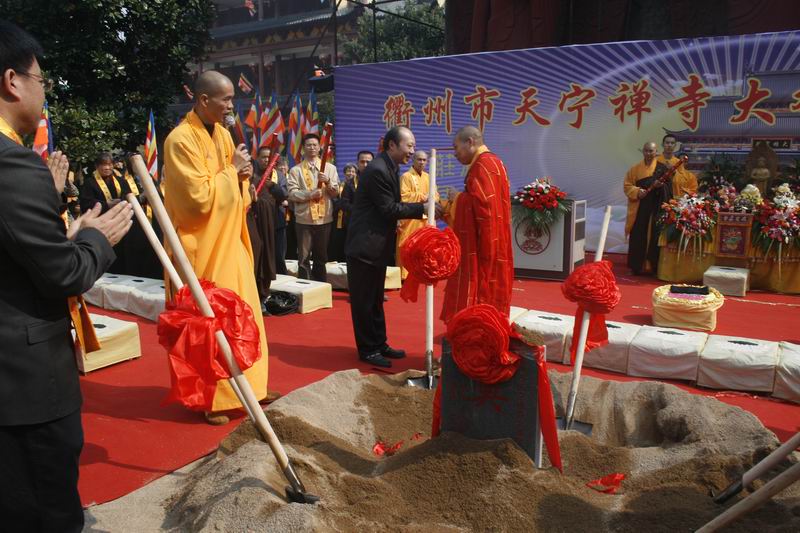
675 448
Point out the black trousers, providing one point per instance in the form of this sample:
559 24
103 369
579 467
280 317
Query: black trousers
280 250
312 245
365 283
39 476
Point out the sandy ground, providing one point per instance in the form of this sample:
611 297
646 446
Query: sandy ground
675 449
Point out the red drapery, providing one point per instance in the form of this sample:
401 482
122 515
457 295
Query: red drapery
594 288
196 362
429 255
483 226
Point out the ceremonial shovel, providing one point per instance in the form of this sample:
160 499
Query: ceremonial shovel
428 381
569 422
295 492
759 497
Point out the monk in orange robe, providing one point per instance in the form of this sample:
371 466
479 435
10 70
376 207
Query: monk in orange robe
684 181
206 196
481 218
643 211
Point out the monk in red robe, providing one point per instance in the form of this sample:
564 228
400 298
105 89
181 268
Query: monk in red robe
481 217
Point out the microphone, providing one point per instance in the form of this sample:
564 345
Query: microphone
229 121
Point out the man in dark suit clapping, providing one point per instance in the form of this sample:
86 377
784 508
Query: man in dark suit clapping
370 245
41 266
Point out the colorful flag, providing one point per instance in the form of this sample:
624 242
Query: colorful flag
238 127
151 148
252 120
43 140
274 122
311 122
244 84
188 92
295 135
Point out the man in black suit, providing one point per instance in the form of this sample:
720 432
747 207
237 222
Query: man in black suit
41 265
370 244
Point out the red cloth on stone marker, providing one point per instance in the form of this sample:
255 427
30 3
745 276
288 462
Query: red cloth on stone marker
196 361
547 412
429 255
594 288
479 337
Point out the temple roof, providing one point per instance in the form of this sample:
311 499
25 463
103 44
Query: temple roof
783 84
278 23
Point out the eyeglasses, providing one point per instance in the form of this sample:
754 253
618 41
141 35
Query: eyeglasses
47 83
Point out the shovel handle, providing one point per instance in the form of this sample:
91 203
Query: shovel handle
174 277
429 288
760 468
152 238
254 410
584 331
754 500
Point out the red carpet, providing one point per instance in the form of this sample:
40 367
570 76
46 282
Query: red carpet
132 440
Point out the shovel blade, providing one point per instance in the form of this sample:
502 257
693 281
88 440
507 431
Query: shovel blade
581 427
423 382
299 496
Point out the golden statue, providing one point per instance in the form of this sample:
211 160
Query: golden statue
760 175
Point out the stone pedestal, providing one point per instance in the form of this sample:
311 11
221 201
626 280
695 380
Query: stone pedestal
505 410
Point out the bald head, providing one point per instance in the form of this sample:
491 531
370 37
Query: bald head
213 96
466 144
470 132
649 151
211 83
420 160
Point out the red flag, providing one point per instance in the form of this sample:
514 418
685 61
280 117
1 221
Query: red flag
188 92
244 84
274 122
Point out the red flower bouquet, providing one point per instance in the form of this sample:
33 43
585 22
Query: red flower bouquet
541 204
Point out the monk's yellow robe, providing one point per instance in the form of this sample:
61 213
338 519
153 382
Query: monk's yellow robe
684 181
207 205
635 173
413 188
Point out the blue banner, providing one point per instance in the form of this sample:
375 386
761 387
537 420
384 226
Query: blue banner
580 114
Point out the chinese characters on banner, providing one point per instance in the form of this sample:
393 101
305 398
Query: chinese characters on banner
631 99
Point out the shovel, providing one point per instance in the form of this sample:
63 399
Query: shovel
569 422
758 470
428 381
754 500
296 491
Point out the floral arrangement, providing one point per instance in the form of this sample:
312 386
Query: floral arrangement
777 223
721 190
541 204
784 197
748 200
689 219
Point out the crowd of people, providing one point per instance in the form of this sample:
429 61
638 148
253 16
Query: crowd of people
237 224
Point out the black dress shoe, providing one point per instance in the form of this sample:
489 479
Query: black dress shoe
391 353
376 359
